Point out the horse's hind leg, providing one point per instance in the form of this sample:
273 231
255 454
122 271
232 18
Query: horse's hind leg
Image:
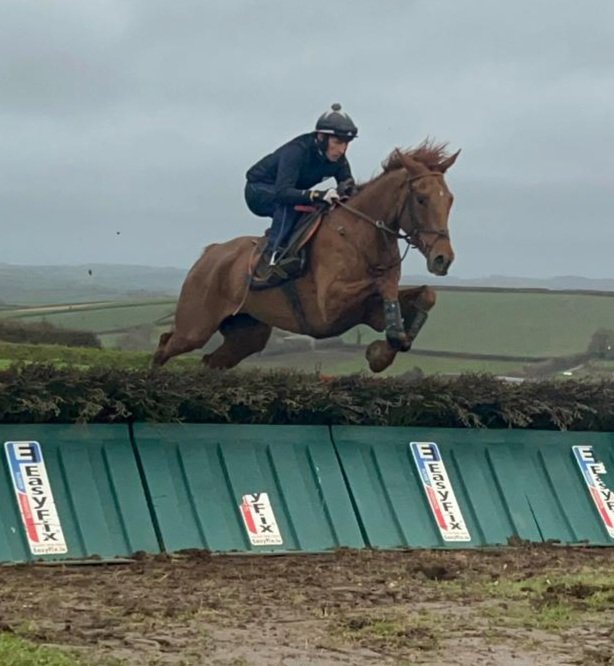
415 304
243 336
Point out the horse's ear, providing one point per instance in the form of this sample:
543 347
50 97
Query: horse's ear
442 167
414 168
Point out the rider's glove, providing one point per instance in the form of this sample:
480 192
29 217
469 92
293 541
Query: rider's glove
328 197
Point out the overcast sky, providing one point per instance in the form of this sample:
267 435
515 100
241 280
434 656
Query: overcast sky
142 116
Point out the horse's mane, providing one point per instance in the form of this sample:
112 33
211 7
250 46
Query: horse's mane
429 153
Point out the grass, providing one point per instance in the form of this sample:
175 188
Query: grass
99 317
428 364
333 362
392 631
503 323
82 357
510 323
496 610
552 603
347 361
15 651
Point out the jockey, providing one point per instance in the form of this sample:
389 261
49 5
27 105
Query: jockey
283 179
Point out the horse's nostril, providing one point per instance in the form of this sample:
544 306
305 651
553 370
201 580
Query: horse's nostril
439 261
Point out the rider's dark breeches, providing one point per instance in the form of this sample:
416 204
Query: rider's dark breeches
260 199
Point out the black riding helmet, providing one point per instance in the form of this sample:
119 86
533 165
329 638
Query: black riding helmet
337 123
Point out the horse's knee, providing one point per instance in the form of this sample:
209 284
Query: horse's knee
426 298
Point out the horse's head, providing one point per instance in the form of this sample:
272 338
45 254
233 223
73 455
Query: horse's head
425 202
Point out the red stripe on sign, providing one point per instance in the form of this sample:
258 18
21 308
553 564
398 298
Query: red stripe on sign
248 518
441 521
28 520
601 508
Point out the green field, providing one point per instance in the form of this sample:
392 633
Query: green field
330 361
504 323
511 323
81 357
341 362
96 317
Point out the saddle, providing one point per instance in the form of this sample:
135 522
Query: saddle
292 260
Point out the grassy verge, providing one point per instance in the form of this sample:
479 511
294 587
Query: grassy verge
15 651
333 362
82 357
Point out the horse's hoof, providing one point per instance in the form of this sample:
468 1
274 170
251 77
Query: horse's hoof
380 355
157 360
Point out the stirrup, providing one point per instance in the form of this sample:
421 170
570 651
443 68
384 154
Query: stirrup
274 257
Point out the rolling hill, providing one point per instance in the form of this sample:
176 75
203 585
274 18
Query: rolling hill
44 285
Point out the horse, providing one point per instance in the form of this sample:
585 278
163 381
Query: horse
351 277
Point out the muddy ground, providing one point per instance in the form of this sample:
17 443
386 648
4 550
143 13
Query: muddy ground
525 605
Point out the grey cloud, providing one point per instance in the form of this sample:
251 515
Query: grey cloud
145 115
60 57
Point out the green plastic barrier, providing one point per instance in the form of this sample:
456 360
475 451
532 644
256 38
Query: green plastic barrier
464 488
246 488
71 492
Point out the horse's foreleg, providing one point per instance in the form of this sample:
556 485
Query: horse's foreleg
380 353
159 357
409 317
396 336
243 336
415 306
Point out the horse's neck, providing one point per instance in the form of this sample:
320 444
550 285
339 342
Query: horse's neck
379 200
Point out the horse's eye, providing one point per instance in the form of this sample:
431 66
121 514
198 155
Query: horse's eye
421 200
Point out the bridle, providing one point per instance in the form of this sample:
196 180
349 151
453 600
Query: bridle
414 237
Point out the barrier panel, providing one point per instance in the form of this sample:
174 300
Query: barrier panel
71 492
441 487
254 488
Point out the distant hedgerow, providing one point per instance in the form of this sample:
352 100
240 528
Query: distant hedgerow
43 332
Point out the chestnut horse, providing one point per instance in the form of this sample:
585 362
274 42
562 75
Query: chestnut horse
352 275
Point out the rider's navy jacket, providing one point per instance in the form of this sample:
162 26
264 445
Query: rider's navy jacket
295 167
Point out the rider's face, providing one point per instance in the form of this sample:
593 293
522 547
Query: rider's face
336 148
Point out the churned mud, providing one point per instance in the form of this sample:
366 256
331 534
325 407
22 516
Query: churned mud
524 605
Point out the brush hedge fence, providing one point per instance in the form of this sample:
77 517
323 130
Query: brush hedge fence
43 393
